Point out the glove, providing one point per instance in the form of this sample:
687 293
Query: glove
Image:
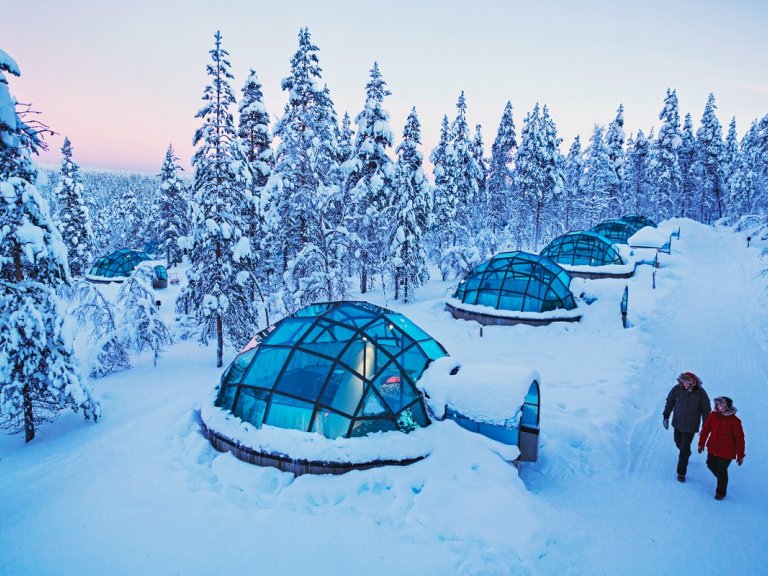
701 449
740 461
666 423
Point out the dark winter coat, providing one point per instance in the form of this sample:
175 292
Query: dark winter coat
689 408
723 436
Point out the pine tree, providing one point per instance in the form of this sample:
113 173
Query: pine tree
686 156
754 155
172 211
253 131
538 176
371 180
599 180
409 259
500 171
667 174
573 196
306 162
39 374
478 154
737 203
345 139
614 141
709 176
218 291
467 172
445 196
639 196
74 221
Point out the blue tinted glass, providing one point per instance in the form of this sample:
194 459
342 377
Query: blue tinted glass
408 327
413 361
356 360
238 367
226 397
432 349
304 375
289 331
373 405
266 366
251 405
395 390
330 425
370 425
343 392
312 310
161 273
285 412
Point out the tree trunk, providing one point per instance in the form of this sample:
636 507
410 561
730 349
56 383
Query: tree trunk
29 421
219 342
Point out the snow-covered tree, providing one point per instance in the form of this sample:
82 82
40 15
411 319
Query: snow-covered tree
74 221
140 316
109 350
666 168
370 180
500 172
218 292
346 139
412 210
599 179
573 213
467 172
306 165
614 141
754 152
445 196
686 155
538 176
39 374
737 202
707 170
173 208
639 187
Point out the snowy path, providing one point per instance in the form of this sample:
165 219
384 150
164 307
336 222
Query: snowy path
708 324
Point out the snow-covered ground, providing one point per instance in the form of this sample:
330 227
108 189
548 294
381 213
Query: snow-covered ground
142 492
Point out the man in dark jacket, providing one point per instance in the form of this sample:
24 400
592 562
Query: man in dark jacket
689 406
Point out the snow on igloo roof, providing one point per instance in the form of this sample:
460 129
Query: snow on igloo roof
119 265
517 281
582 248
341 369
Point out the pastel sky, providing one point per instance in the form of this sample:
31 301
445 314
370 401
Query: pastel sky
124 79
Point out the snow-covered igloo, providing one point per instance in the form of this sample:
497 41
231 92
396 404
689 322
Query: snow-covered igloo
515 288
342 370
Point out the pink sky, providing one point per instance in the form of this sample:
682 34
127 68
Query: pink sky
123 81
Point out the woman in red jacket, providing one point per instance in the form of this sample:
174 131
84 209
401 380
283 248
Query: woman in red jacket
724 437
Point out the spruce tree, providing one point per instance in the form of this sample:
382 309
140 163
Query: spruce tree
445 196
370 180
412 211
500 171
39 374
614 141
599 179
667 174
172 211
686 156
709 175
737 203
573 198
74 221
218 292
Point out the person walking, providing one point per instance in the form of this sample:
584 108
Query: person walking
724 438
689 406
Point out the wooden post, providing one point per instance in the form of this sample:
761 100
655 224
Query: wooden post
654 279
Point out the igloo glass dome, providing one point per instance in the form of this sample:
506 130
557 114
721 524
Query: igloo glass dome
341 369
639 221
583 248
517 281
117 266
617 230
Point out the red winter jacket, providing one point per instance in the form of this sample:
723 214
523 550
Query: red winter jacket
726 436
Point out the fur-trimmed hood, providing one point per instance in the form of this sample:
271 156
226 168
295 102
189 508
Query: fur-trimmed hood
730 409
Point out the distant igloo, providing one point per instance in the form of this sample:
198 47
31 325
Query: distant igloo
515 288
342 370
588 254
117 266
617 230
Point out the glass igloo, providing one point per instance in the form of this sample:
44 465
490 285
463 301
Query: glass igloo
514 282
117 266
582 248
341 369
639 221
616 230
